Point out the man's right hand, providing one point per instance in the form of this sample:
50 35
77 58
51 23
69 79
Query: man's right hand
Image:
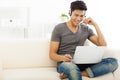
66 58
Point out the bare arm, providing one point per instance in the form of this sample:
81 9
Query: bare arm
99 38
53 53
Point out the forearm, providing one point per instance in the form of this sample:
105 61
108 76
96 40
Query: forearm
56 57
101 39
59 58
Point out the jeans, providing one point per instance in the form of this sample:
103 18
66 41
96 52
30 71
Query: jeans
73 72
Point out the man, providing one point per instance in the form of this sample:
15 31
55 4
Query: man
66 36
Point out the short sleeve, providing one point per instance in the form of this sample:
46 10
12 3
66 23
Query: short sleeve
91 33
55 35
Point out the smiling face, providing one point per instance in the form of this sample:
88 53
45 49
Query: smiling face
77 16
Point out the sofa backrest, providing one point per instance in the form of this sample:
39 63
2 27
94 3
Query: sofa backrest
25 53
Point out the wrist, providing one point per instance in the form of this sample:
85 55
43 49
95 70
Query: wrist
61 58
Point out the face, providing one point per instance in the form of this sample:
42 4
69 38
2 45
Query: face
77 16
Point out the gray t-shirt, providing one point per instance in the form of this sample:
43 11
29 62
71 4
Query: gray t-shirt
69 40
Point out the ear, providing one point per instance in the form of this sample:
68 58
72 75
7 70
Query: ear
69 12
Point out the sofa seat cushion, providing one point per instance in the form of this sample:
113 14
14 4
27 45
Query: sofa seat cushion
31 74
42 74
104 77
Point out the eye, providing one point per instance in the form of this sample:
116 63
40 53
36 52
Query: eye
76 15
82 16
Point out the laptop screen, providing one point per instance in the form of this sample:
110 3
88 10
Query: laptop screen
88 54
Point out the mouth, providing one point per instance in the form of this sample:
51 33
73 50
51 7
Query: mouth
77 22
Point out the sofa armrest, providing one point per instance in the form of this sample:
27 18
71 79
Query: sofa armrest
110 52
117 72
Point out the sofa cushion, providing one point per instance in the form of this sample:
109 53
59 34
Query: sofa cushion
31 74
25 53
104 77
117 72
42 74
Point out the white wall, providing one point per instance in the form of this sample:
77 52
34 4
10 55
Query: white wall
46 13
106 13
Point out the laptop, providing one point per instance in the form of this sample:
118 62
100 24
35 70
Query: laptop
88 54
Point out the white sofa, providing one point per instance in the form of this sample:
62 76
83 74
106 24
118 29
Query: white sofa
29 60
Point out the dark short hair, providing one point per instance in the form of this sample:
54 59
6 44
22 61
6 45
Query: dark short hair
78 5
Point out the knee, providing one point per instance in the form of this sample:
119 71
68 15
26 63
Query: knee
112 64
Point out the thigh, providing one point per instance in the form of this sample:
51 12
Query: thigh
107 64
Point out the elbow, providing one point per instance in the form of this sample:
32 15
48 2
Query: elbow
105 45
50 56
102 44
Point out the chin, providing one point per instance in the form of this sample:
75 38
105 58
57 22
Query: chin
76 24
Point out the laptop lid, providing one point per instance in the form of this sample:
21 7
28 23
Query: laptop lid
88 54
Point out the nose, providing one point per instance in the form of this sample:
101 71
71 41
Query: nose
79 18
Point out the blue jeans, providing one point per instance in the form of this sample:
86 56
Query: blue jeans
73 72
